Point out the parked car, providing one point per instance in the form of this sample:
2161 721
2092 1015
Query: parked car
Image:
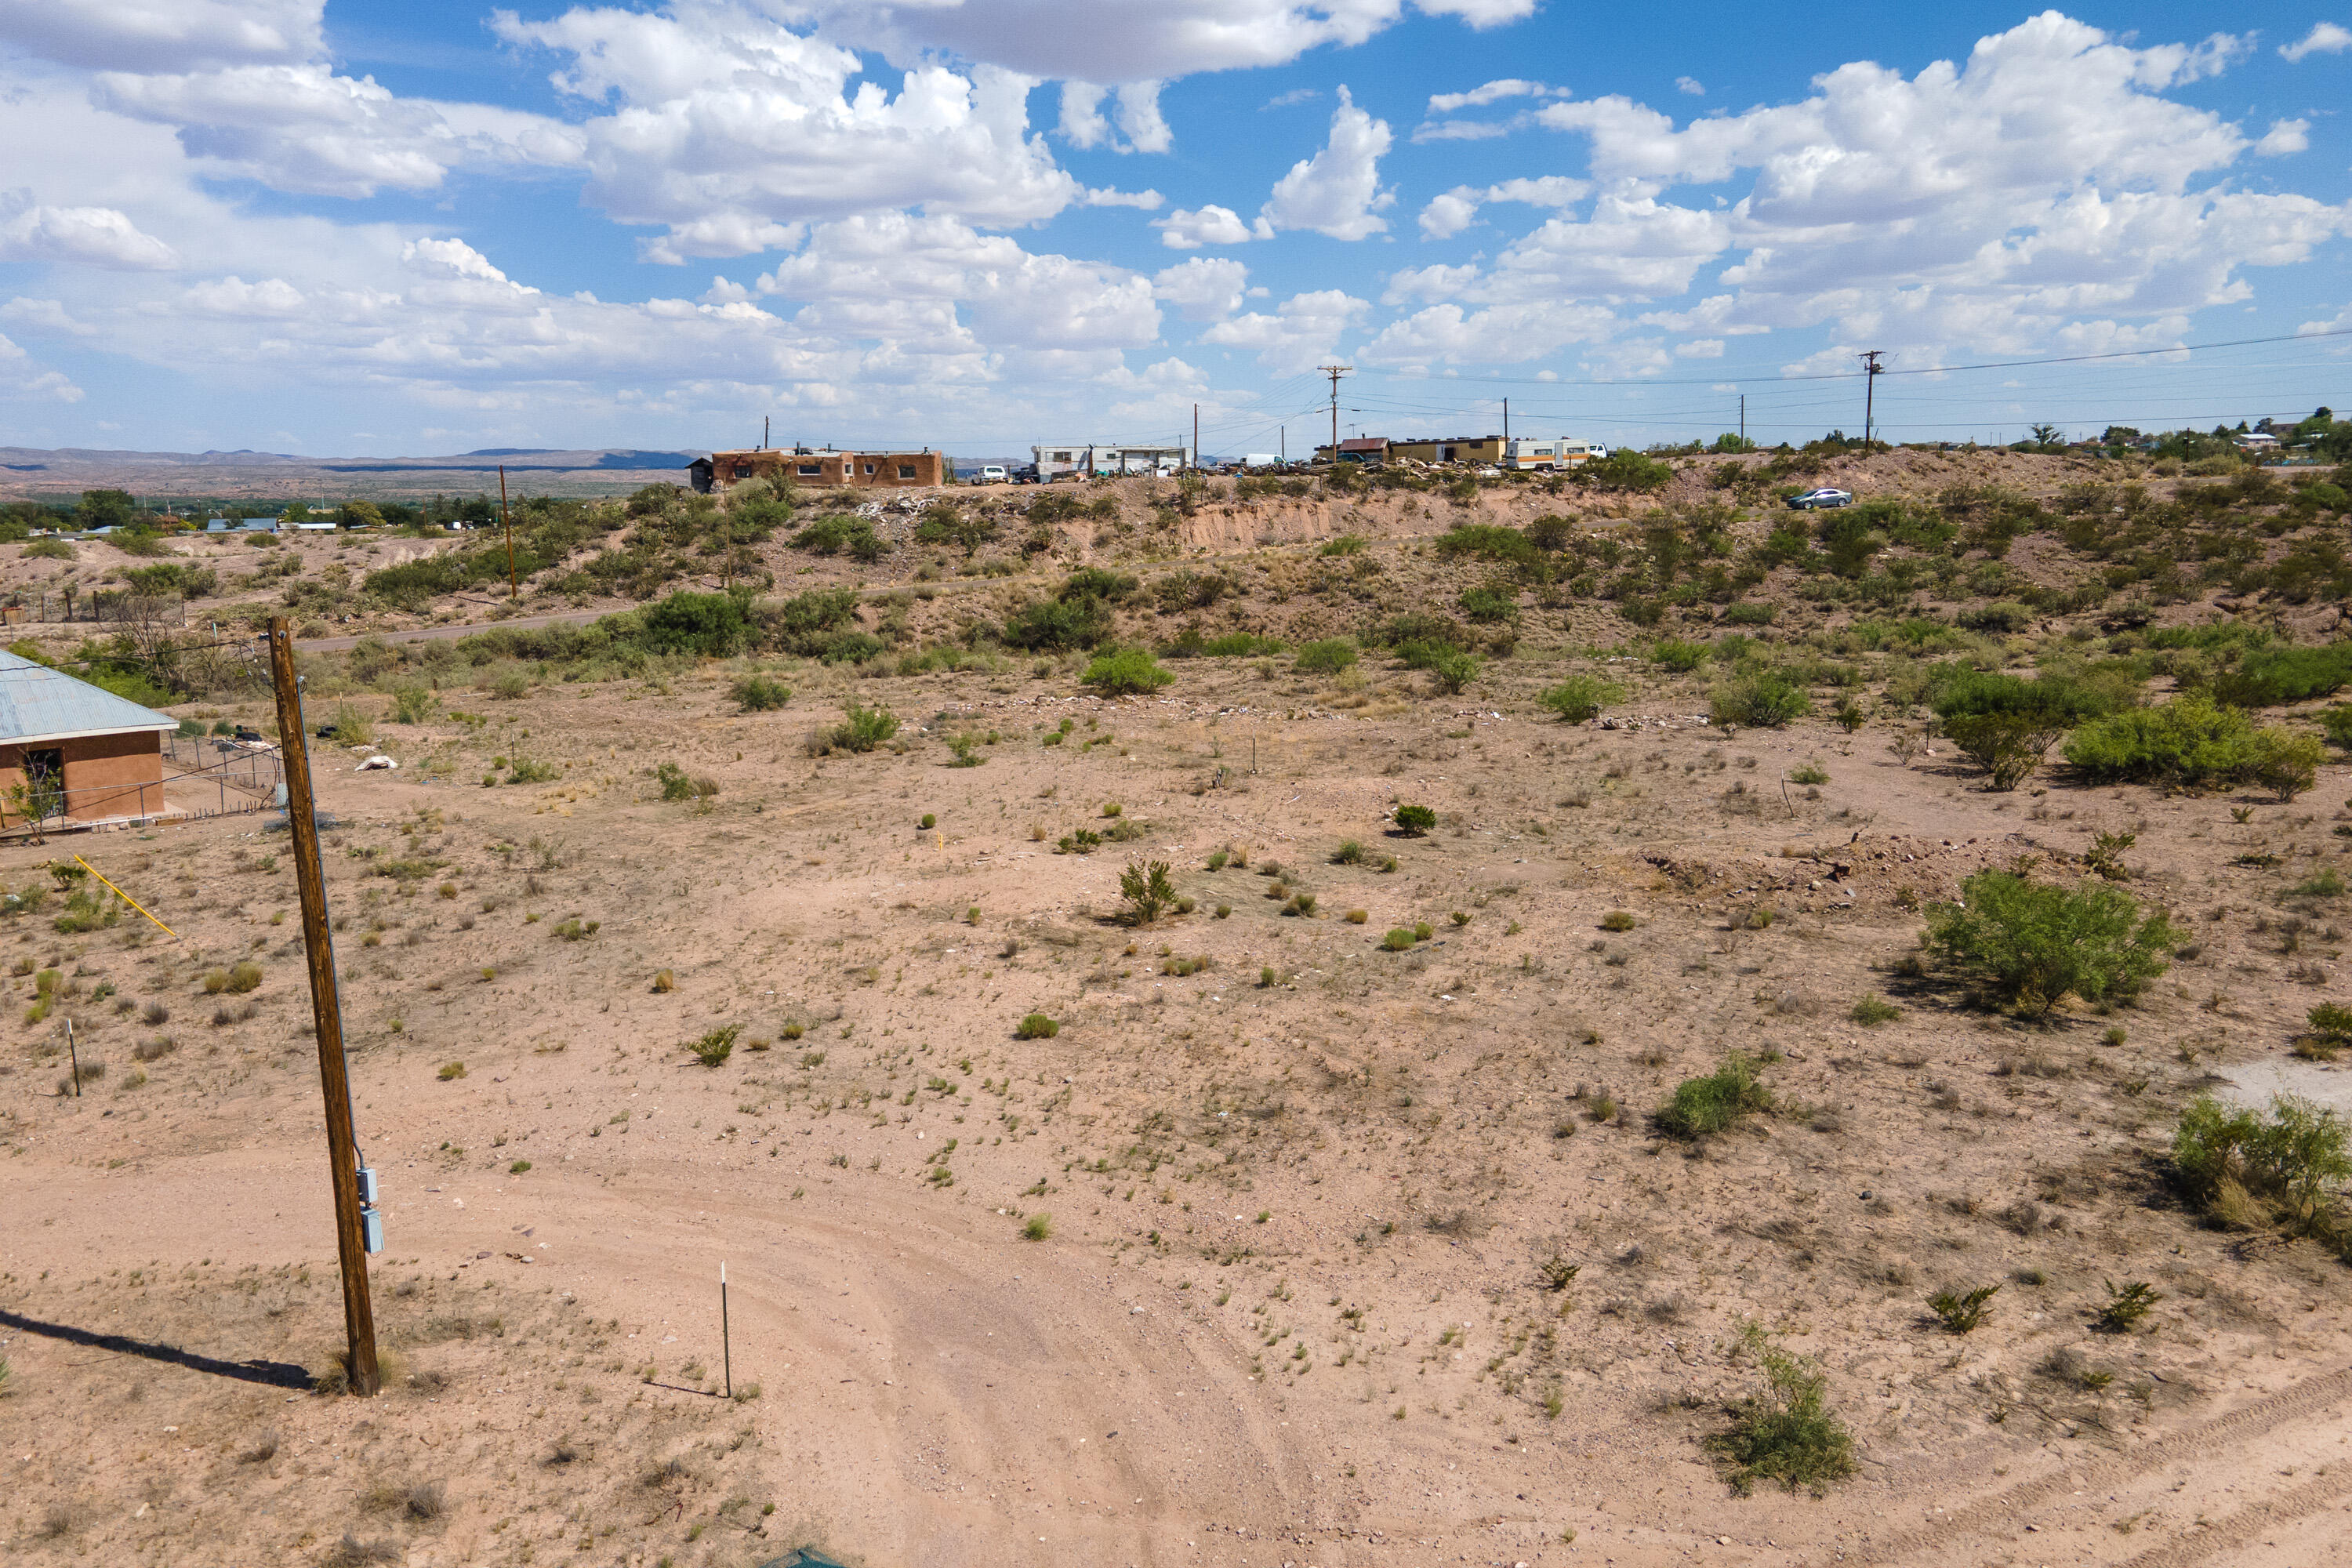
1825 496
993 474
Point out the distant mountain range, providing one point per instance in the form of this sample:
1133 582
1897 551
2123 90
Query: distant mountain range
31 473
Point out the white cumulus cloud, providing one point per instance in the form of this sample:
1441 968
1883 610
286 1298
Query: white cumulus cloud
91 237
1189 229
1336 191
1457 209
1203 288
2325 39
1303 328
163 34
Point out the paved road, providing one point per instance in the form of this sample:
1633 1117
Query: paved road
439 634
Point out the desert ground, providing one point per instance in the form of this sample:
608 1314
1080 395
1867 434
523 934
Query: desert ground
1283 1247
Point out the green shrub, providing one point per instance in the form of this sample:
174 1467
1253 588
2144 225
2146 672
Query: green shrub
1785 1431
1617 920
2193 742
1961 1312
1680 656
413 704
757 694
2126 1305
2244 1169
1701 1106
2034 943
1146 889
705 625
1580 698
1872 1010
1036 1027
833 535
1329 656
1453 670
1398 939
1037 1226
1126 671
2271 677
1349 854
715 1047
677 784
1809 774
862 729
1416 821
2337 722
1761 701
1625 471
1058 625
1490 605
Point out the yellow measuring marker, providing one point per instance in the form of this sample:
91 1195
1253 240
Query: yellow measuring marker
126 898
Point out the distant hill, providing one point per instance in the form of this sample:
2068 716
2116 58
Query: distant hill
33 473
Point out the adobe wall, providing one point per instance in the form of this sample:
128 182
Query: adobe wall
103 775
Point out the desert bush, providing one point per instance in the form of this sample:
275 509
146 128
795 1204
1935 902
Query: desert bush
1127 671
450 1071
1961 1310
2035 943
1037 1228
1617 920
2127 1304
1872 1010
2193 742
1784 1431
677 784
1329 656
2243 1168
1701 1106
1580 698
1762 701
1145 888
1416 821
1398 940
1036 1027
1678 656
862 729
715 1047
1451 668
757 694
2283 673
1349 854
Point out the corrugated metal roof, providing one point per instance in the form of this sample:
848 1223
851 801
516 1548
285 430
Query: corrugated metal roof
38 703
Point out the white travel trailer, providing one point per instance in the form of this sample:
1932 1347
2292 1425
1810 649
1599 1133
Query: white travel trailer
1529 453
1085 457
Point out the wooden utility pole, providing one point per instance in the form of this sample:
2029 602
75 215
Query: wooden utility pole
1871 371
1334 372
326 1009
513 591
1196 435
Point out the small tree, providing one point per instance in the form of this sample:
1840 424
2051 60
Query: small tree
1126 671
2034 943
1416 821
1146 888
862 729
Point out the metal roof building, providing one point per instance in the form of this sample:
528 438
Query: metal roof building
81 754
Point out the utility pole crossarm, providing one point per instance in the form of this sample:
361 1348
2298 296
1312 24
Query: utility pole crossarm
1871 371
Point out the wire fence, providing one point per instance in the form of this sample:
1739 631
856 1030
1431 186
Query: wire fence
100 605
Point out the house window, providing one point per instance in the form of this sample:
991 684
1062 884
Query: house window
810 470
45 782
869 468
906 470
743 471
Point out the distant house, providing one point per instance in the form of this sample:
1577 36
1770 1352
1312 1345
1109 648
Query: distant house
1450 449
82 754
1084 458
1356 449
1529 453
2256 441
721 471
241 525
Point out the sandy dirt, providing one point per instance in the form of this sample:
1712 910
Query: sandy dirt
1286 1305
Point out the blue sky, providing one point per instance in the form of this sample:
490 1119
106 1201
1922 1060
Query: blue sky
369 228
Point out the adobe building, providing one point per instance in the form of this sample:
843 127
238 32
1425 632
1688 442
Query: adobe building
99 756
721 471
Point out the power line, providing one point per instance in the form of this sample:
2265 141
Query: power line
1856 374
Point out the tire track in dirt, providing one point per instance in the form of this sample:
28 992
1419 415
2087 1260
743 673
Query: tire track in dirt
2205 1440
2242 1527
